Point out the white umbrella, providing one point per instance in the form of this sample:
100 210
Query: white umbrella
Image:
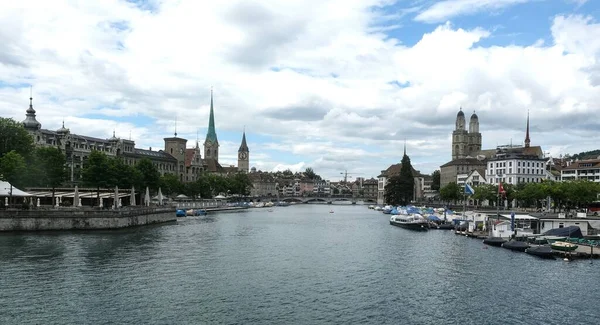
147 197
59 200
76 196
101 202
79 202
120 204
5 201
116 200
56 199
38 201
160 197
132 196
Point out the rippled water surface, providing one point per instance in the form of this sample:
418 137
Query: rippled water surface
298 264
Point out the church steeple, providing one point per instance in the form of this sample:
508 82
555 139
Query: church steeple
243 146
404 147
211 135
211 144
527 139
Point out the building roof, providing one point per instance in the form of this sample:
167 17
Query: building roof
395 169
213 166
151 154
580 164
189 156
243 146
464 162
529 153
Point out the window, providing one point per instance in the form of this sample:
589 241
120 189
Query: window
510 170
510 164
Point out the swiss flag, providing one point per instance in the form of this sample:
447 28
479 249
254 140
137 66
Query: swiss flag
501 189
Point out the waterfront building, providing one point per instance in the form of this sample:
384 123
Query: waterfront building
588 169
175 159
322 187
263 184
370 188
473 178
517 164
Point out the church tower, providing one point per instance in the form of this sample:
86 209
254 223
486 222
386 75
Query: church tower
244 155
211 144
459 137
474 144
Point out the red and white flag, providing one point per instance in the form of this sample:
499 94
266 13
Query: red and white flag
501 189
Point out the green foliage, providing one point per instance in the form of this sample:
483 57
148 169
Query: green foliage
392 191
407 181
435 180
150 176
587 155
310 173
12 168
50 166
451 192
96 171
170 184
14 137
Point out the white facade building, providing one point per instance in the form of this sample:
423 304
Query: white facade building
583 169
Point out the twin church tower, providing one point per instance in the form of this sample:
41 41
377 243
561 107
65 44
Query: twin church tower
466 143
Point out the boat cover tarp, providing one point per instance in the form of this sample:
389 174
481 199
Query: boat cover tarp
571 231
434 218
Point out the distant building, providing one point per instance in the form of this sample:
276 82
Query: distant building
582 169
394 170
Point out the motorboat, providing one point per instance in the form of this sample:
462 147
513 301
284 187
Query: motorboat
515 245
544 251
494 241
410 221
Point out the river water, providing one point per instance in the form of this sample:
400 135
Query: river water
295 265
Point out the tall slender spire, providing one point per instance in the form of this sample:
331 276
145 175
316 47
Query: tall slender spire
175 127
405 146
527 139
211 135
244 145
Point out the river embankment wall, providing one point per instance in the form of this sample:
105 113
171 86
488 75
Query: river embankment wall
79 219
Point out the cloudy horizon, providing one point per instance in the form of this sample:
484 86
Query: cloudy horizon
329 84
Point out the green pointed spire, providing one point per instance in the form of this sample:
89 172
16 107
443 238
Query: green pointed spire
243 146
212 134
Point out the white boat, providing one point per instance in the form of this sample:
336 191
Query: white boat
410 221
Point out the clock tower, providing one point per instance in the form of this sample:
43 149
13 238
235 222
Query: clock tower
244 155
175 146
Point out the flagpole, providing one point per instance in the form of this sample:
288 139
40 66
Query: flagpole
498 203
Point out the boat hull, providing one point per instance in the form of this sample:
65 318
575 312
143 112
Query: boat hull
564 247
494 241
541 252
411 226
516 246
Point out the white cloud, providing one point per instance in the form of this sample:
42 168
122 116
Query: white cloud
446 9
310 75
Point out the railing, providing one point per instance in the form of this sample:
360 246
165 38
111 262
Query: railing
86 212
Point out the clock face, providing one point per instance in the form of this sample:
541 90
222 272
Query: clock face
242 155
181 151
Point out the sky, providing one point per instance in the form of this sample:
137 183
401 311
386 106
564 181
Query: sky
335 85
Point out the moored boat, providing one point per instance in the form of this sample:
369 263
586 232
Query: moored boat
445 226
494 241
563 246
409 221
541 251
516 245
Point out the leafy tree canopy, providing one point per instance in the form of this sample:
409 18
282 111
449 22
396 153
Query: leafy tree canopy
14 137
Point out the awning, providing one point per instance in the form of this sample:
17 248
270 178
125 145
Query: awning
7 190
92 195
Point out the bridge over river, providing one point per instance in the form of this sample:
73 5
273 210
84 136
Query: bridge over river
319 200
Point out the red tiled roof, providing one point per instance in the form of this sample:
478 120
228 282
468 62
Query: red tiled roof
189 156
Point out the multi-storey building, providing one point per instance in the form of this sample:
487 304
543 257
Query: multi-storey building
582 169
370 188
394 170
175 159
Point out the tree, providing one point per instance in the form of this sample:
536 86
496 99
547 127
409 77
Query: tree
149 173
392 191
14 137
51 165
96 172
240 184
310 173
170 184
451 192
435 180
12 168
407 181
